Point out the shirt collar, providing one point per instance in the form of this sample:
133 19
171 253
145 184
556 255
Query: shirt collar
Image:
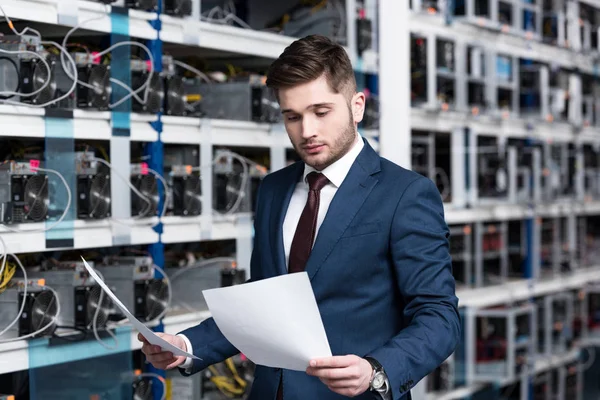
336 172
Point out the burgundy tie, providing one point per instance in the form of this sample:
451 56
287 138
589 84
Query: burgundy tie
307 226
305 233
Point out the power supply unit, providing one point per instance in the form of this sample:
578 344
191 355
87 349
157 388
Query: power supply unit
178 8
175 95
78 293
492 176
418 70
40 310
132 280
23 194
155 89
591 172
25 73
441 380
555 323
244 100
186 191
229 186
304 19
500 343
144 5
431 158
93 188
461 250
91 72
189 280
147 185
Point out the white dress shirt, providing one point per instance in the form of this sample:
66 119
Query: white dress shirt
336 173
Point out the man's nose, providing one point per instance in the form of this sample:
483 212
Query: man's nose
308 128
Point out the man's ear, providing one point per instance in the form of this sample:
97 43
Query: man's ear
358 106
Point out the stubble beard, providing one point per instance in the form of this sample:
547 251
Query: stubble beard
338 149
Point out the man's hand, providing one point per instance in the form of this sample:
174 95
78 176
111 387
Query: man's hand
345 375
163 359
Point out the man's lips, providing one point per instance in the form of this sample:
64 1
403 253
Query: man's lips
313 149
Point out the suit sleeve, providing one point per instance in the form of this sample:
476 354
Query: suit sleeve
207 341
420 252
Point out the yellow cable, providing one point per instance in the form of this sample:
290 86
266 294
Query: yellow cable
9 272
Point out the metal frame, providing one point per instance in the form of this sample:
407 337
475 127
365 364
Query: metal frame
510 314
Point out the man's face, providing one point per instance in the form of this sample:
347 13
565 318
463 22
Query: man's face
321 124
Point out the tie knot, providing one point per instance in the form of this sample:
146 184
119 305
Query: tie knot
316 181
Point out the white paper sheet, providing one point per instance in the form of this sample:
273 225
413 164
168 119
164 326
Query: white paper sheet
150 336
275 322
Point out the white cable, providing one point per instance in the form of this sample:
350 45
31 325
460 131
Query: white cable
127 181
150 74
129 90
160 378
192 69
64 96
64 214
165 186
201 264
71 74
18 73
10 25
95 320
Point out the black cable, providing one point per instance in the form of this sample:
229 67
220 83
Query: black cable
14 64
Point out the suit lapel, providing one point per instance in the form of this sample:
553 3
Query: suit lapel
281 201
349 198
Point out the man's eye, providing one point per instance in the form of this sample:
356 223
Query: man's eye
322 114
293 118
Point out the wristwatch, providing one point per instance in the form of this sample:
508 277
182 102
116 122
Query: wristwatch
379 381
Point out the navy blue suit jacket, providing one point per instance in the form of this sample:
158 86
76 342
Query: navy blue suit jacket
380 271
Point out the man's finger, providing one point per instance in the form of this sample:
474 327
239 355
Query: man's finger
152 349
339 383
333 362
178 361
160 357
334 373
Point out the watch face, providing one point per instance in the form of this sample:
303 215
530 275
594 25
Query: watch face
378 381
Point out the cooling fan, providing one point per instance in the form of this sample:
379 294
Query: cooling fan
147 186
157 298
142 389
93 303
34 75
94 196
187 195
40 311
36 200
175 100
97 76
155 92
178 7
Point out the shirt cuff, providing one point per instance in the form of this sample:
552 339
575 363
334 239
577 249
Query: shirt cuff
189 362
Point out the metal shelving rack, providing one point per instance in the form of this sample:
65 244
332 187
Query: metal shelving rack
478 33
122 128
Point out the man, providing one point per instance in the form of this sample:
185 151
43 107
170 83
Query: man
370 235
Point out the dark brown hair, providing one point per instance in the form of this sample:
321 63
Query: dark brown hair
307 59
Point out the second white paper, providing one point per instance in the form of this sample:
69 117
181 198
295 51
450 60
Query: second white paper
275 322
